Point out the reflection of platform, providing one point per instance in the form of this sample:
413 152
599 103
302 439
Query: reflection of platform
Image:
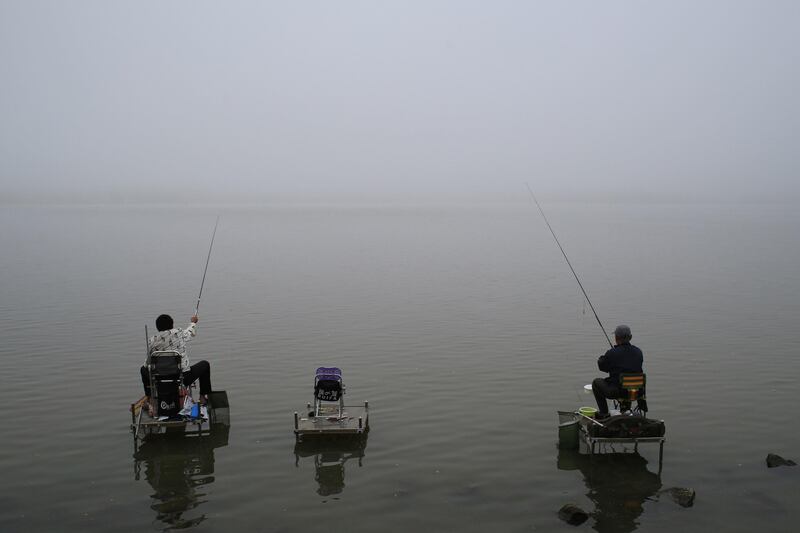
330 456
353 420
179 470
619 485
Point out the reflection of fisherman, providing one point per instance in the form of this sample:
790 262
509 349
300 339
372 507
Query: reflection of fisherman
618 484
622 358
177 470
171 338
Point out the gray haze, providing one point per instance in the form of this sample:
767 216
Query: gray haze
398 101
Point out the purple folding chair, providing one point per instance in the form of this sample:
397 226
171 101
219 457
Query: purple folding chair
328 387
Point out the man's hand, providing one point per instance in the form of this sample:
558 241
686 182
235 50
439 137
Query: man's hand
194 319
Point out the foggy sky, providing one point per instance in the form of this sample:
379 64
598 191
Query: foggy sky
398 101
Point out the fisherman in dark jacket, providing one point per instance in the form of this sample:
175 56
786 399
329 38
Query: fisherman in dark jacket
622 358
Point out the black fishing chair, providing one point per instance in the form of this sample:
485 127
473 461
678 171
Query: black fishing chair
632 385
328 387
166 379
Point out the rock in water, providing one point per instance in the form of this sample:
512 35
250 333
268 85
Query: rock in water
572 514
681 496
776 460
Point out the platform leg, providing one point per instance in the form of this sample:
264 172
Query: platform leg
138 424
660 456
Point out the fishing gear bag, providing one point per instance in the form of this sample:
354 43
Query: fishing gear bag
627 427
168 396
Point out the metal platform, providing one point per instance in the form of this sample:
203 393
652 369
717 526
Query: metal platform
144 426
593 443
353 420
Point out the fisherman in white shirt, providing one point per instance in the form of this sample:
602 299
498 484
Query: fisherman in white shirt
172 338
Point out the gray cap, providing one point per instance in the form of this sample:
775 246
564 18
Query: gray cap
623 332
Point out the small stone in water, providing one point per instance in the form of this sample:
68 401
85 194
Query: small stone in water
681 496
774 460
572 514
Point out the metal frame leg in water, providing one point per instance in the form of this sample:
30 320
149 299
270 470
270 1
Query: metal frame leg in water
591 442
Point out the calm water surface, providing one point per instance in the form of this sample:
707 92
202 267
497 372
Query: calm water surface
462 327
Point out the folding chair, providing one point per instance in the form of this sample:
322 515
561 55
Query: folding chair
328 387
632 385
165 382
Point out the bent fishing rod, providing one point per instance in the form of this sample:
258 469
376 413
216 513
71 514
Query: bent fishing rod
197 307
569 264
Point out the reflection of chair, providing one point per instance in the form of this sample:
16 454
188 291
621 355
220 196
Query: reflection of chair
165 382
330 457
632 385
329 473
328 387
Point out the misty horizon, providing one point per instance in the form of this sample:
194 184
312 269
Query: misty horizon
458 102
507 198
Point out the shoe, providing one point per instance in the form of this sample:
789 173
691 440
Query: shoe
602 416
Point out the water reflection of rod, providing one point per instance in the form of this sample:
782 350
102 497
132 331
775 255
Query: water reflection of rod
569 264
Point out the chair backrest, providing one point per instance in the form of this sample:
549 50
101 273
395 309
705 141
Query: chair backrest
328 386
633 383
165 366
328 372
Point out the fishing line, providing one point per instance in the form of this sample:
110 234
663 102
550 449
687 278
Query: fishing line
197 307
569 264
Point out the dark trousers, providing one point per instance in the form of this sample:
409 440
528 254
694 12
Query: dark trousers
200 370
602 389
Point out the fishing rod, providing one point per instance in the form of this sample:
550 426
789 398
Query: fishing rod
197 307
569 264
147 364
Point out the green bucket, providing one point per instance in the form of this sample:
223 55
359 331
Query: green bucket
588 411
567 430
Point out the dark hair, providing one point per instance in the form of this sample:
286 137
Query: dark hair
164 322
